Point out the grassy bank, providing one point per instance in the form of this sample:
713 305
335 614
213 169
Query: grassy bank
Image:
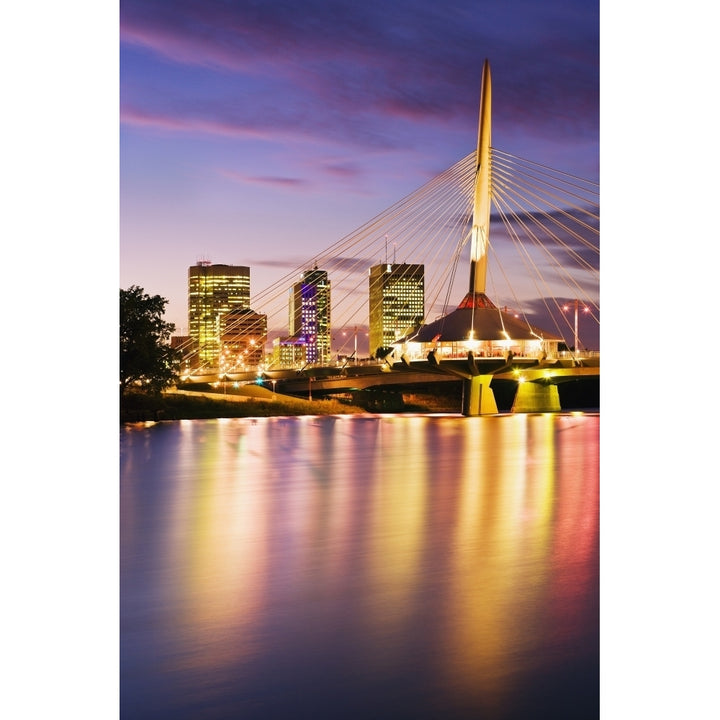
140 407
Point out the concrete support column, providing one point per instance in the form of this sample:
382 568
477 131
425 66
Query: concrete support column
478 397
536 397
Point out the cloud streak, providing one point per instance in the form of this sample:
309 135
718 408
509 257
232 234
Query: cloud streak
345 70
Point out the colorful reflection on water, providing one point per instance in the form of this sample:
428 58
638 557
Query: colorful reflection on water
361 567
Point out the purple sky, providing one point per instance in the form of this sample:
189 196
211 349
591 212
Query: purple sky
259 133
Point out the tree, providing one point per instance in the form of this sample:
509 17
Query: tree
146 358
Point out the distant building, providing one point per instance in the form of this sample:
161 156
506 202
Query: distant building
288 353
309 315
243 336
214 290
179 342
184 344
397 302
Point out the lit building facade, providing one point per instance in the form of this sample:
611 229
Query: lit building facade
309 314
214 290
288 353
243 337
397 302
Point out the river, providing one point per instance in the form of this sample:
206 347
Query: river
371 566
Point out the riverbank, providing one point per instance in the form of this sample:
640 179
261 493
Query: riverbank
254 402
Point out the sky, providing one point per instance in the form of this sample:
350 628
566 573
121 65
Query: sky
260 133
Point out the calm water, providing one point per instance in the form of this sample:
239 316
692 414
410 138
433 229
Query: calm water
360 567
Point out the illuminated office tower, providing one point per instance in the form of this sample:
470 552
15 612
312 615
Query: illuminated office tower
397 302
309 311
213 290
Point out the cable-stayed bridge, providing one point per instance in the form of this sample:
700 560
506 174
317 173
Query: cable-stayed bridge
529 235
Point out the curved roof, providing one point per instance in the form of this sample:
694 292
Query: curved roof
485 320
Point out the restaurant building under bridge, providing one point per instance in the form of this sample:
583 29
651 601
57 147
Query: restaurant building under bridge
480 327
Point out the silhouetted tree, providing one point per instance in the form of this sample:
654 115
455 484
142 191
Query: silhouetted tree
146 358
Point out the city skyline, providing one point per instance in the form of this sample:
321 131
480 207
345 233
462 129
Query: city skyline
260 137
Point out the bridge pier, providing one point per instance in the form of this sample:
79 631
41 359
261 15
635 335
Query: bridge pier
536 397
478 397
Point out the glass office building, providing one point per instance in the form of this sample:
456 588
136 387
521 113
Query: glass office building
214 290
397 302
309 315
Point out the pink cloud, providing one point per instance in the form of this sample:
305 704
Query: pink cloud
268 180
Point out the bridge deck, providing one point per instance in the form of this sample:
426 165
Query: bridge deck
399 376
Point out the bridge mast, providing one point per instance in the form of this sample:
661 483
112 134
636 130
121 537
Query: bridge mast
481 207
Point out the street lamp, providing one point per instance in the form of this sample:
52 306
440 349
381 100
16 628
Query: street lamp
354 342
585 309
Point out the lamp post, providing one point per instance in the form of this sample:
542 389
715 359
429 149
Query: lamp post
354 343
585 309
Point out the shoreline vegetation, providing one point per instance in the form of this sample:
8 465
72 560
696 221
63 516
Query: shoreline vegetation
247 401
141 407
